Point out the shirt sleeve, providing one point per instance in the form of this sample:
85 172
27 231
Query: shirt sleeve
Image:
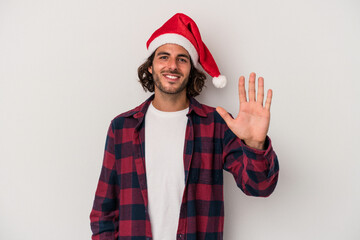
255 171
104 216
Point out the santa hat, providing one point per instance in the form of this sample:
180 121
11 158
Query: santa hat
182 30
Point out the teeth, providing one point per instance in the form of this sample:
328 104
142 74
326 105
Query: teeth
171 77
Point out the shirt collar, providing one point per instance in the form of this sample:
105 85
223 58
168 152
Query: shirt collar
140 111
196 107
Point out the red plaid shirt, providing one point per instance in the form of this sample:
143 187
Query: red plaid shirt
121 202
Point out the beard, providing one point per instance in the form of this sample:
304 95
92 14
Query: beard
170 90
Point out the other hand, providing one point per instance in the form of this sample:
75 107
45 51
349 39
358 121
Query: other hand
253 119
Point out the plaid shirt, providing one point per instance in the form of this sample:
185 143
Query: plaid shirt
121 201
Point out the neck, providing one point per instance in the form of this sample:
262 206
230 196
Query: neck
170 102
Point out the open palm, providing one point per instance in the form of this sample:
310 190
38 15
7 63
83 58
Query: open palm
253 119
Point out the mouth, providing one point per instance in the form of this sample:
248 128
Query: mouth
171 77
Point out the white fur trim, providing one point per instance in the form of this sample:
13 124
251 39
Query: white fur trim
176 39
220 81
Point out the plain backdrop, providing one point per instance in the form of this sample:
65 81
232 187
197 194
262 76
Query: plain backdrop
67 68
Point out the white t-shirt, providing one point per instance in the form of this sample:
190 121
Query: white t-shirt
164 151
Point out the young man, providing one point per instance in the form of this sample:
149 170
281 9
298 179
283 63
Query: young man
162 175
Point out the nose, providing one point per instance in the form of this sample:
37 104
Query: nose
172 63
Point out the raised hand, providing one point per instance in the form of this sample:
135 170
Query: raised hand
253 119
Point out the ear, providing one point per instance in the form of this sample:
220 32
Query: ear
150 69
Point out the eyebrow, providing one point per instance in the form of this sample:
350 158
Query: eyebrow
168 54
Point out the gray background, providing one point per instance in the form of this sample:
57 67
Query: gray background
68 67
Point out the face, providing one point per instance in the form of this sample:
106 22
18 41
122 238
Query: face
171 69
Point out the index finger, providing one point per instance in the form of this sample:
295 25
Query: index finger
242 92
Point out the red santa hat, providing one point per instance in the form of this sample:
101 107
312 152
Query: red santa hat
182 30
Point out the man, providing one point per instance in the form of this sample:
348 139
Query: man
162 175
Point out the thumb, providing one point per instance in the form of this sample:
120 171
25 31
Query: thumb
225 115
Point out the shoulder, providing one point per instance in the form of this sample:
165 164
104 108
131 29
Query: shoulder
207 108
127 114
132 117
118 121
208 113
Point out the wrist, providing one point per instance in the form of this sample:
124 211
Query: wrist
255 144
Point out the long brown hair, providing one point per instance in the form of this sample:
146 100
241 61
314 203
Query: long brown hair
193 88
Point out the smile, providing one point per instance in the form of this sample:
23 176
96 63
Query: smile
171 76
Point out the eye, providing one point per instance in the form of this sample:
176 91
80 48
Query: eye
163 57
183 60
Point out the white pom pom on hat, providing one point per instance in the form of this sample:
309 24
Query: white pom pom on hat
182 30
220 81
